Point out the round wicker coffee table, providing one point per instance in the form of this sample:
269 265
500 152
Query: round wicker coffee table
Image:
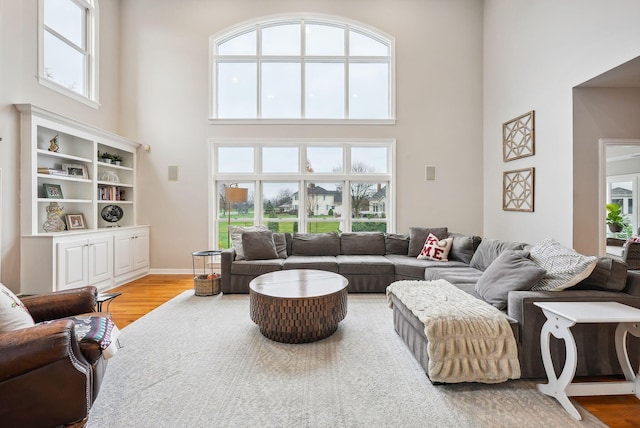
298 305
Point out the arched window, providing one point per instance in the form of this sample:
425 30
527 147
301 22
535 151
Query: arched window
67 47
302 68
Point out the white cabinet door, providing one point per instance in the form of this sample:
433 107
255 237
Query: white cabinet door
100 259
141 250
73 264
123 258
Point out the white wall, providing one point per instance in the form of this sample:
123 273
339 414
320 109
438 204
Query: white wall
535 52
18 60
598 113
439 109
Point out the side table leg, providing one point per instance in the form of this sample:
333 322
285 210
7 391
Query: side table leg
556 387
623 356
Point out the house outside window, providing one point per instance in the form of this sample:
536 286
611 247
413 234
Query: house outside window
67 53
316 193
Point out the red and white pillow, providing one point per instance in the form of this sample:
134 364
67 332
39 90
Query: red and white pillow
436 249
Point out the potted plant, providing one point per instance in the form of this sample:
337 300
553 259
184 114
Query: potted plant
615 220
107 157
117 159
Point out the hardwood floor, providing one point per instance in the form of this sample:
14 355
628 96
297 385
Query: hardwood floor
145 294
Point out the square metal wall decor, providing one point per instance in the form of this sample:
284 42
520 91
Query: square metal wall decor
518 137
517 190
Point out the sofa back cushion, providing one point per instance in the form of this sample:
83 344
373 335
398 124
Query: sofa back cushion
396 243
463 247
315 244
259 245
609 275
362 243
489 250
418 236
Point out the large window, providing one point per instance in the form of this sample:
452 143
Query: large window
302 68
67 48
304 186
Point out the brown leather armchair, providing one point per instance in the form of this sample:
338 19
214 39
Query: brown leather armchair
47 377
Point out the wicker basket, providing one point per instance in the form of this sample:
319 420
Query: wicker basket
206 286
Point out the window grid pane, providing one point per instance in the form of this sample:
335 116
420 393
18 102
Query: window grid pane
67 19
281 90
64 64
237 90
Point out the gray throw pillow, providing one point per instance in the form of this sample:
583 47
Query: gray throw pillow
608 275
418 236
463 247
236 232
396 243
259 245
280 239
362 243
316 244
489 250
510 271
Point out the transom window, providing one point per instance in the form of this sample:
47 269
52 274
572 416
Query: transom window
309 187
67 47
303 68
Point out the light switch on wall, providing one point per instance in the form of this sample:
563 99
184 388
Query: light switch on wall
429 173
173 172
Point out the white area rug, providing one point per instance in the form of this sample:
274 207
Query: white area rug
201 362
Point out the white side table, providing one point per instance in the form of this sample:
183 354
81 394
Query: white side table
563 315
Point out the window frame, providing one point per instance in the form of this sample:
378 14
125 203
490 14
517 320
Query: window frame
90 53
257 178
303 19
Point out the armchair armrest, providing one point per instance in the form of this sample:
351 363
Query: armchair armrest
631 255
61 304
31 348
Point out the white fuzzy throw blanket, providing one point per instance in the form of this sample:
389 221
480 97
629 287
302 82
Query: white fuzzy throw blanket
469 340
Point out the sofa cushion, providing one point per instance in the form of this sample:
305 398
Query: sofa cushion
328 263
396 243
457 276
608 275
315 244
436 249
489 250
256 267
13 314
463 247
418 236
235 232
364 265
410 267
280 241
510 271
259 245
565 268
362 243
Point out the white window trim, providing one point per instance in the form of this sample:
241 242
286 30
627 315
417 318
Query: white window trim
274 19
302 177
92 98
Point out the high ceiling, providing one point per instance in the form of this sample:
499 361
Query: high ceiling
626 75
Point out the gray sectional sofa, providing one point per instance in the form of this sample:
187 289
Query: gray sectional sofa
371 261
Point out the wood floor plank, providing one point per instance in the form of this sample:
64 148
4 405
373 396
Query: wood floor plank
143 295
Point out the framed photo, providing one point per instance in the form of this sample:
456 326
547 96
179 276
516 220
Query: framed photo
517 190
52 191
75 221
75 170
518 137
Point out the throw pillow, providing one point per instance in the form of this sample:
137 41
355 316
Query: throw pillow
236 237
463 247
396 243
509 272
565 268
489 250
436 249
418 236
280 239
13 314
259 245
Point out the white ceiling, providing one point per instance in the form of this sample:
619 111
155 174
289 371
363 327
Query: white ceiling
626 75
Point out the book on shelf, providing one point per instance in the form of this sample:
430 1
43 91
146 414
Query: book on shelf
51 171
111 193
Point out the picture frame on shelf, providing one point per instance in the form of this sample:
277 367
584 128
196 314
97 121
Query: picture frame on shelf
52 191
75 170
75 221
